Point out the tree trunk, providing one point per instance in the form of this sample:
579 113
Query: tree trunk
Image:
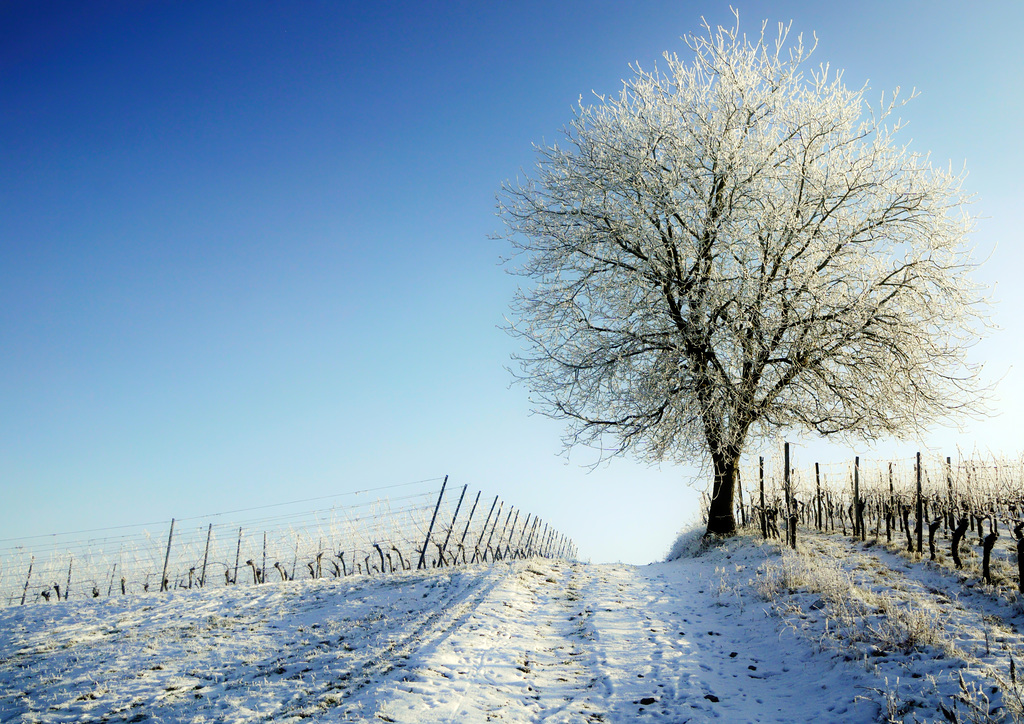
721 521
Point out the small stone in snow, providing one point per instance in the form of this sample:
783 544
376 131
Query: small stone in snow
648 700
711 697
734 654
752 668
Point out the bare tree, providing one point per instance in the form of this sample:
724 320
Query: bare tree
734 246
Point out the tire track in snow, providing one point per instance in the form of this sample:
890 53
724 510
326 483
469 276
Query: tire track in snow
281 652
424 631
559 642
518 657
533 640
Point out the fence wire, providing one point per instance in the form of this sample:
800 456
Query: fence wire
429 524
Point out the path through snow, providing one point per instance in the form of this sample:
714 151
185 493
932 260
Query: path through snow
528 641
685 641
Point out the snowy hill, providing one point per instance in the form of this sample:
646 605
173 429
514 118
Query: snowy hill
745 632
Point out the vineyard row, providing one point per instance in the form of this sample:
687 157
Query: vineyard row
938 503
431 529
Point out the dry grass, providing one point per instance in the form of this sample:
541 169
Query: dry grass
864 615
853 612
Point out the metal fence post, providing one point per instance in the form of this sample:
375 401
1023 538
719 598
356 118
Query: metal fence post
530 537
518 552
493 526
462 541
430 529
476 549
501 536
454 518
511 533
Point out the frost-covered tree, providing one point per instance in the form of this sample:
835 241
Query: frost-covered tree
737 245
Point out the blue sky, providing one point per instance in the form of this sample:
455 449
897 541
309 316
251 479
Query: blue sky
244 248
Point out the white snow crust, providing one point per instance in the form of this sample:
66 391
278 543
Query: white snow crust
526 641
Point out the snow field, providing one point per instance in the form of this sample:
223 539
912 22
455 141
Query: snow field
278 652
942 643
532 640
516 658
746 632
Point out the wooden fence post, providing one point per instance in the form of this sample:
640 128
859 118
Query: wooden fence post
28 578
788 482
238 551
861 503
817 483
739 491
263 570
919 526
950 520
855 483
1018 533
764 512
890 509
430 530
167 558
67 586
206 555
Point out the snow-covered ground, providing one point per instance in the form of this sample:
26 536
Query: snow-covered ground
742 633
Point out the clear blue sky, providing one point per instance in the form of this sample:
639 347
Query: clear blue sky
244 249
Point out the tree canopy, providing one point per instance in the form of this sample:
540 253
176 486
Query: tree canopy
735 245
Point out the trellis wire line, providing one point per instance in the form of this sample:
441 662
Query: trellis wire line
250 521
369 537
227 512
